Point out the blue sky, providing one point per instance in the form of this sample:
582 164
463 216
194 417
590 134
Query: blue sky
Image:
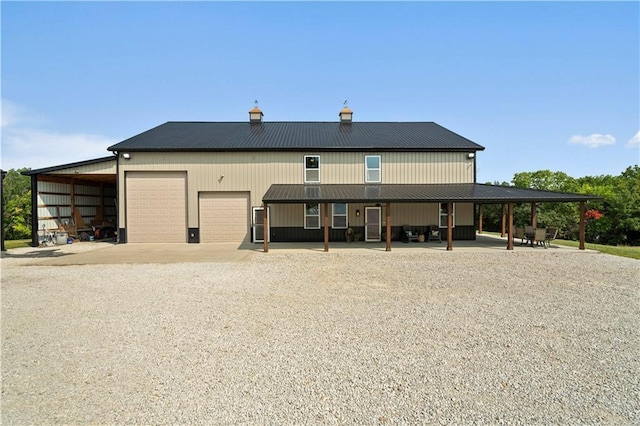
541 85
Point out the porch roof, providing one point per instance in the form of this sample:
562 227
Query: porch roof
413 193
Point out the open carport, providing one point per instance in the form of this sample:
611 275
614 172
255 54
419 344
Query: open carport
75 198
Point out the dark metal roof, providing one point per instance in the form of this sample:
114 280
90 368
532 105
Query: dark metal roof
297 136
69 165
414 193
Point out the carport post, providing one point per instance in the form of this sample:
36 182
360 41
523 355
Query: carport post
326 226
502 229
510 236
265 231
388 227
34 211
479 218
2 173
449 226
582 224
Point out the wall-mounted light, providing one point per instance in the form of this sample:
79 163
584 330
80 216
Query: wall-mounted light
471 155
358 213
220 178
126 155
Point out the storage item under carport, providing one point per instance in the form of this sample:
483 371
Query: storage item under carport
61 237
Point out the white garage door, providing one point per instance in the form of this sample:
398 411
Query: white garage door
224 217
156 207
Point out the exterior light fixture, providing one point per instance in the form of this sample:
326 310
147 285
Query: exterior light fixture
358 213
126 156
471 155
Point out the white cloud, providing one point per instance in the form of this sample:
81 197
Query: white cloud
634 141
11 113
24 145
595 140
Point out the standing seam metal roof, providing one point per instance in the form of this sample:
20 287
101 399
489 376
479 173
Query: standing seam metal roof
281 136
414 193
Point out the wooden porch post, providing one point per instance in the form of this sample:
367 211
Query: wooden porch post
582 224
504 220
534 215
479 218
510 236
388 227
326 226
449 227
265 231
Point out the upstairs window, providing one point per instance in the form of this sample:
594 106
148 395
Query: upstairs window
372 172
339 216
312 216
311 169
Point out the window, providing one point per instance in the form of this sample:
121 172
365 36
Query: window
443 215
372 168
339 217
311 169
311 216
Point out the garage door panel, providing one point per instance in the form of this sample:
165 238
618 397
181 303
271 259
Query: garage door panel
156 207
224 217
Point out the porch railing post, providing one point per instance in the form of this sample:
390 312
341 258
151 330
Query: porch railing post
582 224
326 226
449 227
510 235
388 227
265 231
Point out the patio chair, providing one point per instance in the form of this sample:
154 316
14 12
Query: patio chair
552 233
540 237
529 233
434 234
408 235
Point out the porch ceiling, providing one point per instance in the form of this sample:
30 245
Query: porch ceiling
414 193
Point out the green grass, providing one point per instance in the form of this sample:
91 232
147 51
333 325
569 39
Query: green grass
623 251
11 244
632 252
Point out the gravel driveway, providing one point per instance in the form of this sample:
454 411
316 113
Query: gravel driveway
325 338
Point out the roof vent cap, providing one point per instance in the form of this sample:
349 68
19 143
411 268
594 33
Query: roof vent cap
346 115
255 115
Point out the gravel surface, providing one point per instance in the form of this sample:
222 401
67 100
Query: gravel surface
325 338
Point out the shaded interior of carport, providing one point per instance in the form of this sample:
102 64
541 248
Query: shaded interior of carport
417 193
67 206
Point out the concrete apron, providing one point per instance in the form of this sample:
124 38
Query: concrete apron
110 254
106 253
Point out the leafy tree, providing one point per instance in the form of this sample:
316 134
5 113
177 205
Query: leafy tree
16 191
614 220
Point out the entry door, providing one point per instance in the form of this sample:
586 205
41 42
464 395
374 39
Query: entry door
258 224
372 224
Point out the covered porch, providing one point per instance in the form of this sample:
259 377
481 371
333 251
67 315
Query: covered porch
391 194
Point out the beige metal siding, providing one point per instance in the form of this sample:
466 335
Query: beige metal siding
224 217
106 167
254 172
156 207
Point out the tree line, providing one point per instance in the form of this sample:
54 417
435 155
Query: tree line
613 220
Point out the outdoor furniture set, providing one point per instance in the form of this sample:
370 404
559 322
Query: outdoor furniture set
535 236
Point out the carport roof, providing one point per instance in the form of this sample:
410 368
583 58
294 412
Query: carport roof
414 193
68 166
